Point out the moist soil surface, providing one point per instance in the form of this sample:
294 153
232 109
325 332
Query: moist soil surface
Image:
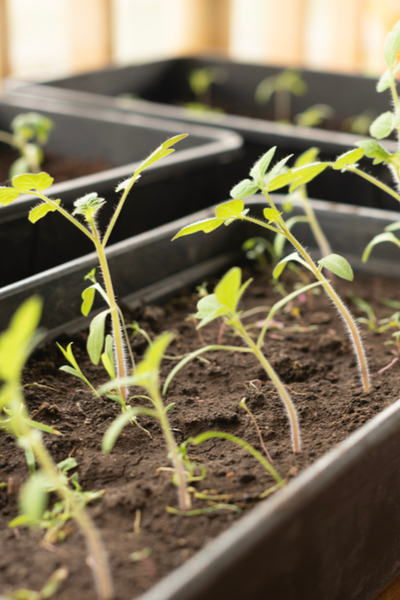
62 168
311 353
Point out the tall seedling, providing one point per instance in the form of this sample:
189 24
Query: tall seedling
268 181
87 207
16 343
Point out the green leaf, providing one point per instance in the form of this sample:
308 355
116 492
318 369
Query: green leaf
41 211
244 189
147 372
338 265
227 289
88 298
95 341
160 152
205 225
393 226
348 158
21 520
19 167
107 357
271 214
32 181
260 167
15 342
33 497
42 427
385 81
378 239
8 195
309 156
230 210
382 126
174 140
278 169
208 309
67 464
282 264
112 433
74 372
392 45
374 150
280 181
306 174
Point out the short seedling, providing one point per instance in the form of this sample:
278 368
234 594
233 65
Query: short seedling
270 181
283 85
48 590
201 82
16 343
147 377
30 132
87 207
224 304
314 115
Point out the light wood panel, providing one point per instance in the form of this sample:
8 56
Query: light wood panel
4 42
207 26
90 34
285 31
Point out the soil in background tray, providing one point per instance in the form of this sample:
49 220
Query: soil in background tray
61 168
319 369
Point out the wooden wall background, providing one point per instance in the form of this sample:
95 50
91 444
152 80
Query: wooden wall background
47 38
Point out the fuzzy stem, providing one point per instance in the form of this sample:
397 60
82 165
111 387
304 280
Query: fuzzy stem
183 495
313 221
65 214
292 414
118 209
121 370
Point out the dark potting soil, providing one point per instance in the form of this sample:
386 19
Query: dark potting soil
319 369
62 168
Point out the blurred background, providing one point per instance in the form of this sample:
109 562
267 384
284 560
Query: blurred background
42 39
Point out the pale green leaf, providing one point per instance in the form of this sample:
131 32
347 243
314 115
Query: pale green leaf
160 152
244 189
260 167
348 158
75 372
309 156
230 210
227 289
278 169
338 265
41 211
382 126
393 226
112 433
378 239
33 497
8 195
385 81
68 354
374 150
21 520
108 357
19 167
88 298
271 214
15 341
282 264
206 225
280 181
306 174
208 309
174 140
392 45
32 181
95 341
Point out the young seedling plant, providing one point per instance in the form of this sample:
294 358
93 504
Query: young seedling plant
16 343
223 303
269 181
87 209
30 132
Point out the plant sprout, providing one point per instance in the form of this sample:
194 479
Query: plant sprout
87 209
16 343
267 182
48 590
30 131
283 85
224 303
147 377
314 115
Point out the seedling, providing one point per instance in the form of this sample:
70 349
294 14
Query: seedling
314 115
224 304
200 83
30 132
48 590
16 344
267 182
283 85
147 377
87 209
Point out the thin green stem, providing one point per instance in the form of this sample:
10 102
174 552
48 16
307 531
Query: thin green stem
9 139
292 414
116 323
118 209
313 221
373 180
184 498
